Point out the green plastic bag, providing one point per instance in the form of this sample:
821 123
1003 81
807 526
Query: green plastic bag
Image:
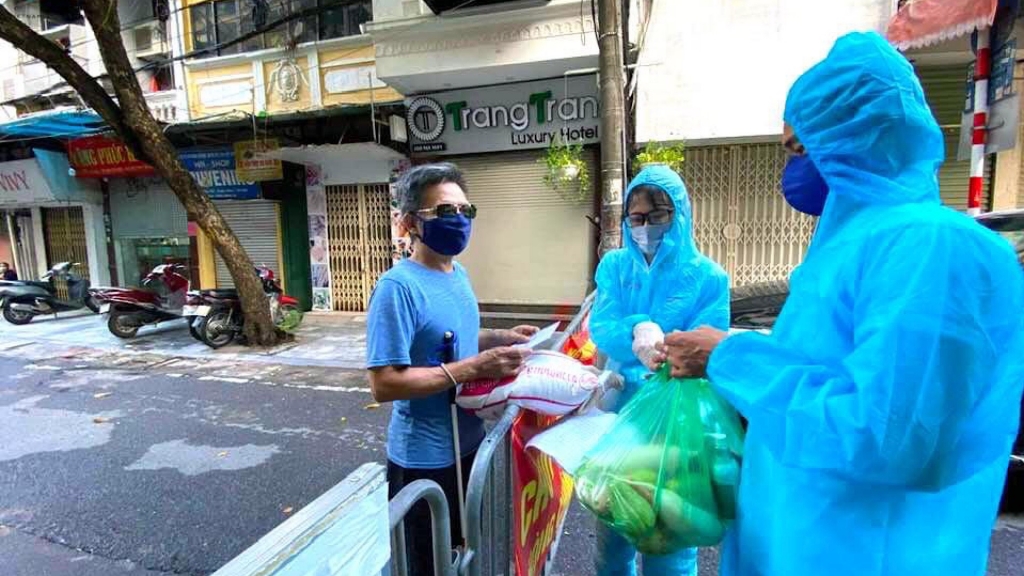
666 476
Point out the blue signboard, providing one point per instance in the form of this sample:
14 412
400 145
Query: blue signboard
214 170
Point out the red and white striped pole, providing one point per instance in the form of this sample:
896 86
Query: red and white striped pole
982 69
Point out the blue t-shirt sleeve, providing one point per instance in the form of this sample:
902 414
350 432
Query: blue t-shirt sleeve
390 325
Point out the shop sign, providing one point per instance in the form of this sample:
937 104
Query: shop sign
22 182
521 116
104 157
250 167
214 170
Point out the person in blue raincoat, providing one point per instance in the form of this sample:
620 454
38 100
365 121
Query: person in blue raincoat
658 282
883 405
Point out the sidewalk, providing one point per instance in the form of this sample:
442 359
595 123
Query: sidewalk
327 340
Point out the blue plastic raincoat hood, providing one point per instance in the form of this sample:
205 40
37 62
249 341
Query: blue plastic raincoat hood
863 118
678 242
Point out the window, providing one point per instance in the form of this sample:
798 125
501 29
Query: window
219 21
203 33
228 24
343 18
55 13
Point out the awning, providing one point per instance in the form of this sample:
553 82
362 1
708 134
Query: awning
66 124
920 23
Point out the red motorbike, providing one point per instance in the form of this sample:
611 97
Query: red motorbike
218 313
161 298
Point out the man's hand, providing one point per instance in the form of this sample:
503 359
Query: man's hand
502 362
688 352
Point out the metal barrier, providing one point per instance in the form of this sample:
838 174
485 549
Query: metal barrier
440 527
489 516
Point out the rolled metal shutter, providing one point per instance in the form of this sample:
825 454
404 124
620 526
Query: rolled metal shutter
944 87
529 246
257 226
147 211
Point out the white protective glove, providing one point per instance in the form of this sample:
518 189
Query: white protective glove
645 336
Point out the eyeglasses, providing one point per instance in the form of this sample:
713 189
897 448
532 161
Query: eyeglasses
447 211
655 217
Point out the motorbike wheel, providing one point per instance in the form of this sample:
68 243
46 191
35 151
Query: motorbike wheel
215 329
119 325
17 317
92 304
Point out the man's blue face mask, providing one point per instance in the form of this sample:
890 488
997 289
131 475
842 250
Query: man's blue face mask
803 186
447 235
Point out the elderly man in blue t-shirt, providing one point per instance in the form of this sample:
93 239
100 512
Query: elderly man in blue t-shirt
423 337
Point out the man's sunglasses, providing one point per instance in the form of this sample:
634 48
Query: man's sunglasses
449 210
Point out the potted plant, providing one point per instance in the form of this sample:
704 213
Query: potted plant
653 153
567 171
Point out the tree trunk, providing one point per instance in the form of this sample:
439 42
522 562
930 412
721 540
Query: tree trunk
131 119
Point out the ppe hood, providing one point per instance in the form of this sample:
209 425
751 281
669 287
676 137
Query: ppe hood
862 116
679 238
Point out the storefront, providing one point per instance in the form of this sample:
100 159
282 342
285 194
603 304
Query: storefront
532 246
149 225
347 205
51 217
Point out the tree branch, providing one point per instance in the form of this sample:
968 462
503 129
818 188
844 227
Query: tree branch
92 92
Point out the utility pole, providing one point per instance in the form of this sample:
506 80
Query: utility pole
612 77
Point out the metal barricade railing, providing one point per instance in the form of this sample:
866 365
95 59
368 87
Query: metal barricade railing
489 514
489 503
440 526
489 494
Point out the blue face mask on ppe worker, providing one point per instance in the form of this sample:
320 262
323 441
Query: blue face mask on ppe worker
648 238
447 235
803 186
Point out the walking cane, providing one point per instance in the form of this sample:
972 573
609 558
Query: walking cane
448 355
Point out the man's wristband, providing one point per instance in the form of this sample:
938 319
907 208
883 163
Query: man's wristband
448 373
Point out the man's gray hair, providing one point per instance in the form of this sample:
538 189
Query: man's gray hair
410 187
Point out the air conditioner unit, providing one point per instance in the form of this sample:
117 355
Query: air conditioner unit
151 40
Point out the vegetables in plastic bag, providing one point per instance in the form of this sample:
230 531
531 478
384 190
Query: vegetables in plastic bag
666 476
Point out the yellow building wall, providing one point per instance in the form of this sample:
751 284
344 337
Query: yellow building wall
238 82
231 80
271 75
352 59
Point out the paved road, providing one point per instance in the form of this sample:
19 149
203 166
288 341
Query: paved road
140 465
168 473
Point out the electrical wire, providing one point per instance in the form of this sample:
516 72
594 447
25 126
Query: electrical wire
281 22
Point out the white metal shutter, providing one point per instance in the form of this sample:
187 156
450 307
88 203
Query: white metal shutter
145 209
256 224
529 245
945 90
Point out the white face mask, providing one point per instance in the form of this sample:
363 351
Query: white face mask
648 238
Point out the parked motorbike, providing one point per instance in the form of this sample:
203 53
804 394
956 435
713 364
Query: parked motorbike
161 298
219 320
59 290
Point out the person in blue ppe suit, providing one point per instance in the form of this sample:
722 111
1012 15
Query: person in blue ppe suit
658 282
883 405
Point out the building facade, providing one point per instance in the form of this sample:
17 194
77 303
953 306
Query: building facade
302 106
492 88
